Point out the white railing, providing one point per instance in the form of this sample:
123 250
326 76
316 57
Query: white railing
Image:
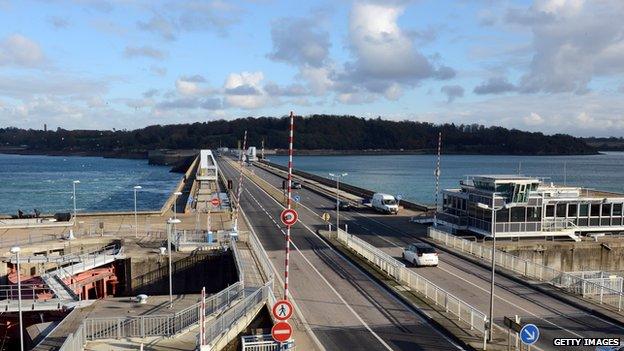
74 341
464 312
220 325
590 289
160 325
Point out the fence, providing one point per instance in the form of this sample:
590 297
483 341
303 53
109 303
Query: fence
587 288
263 342
217 327
159 325
74 341
476 319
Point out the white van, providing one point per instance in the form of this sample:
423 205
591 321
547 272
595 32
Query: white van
385 203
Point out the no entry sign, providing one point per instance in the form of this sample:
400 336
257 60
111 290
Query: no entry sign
215 202
281 331
289 216
282 310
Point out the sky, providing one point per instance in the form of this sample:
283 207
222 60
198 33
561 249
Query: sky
554 66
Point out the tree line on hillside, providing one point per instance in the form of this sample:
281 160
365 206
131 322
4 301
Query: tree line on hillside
606 144
322 132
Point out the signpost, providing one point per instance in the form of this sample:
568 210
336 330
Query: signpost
529 334
215 202
326 217
297 198
281 331
289 217
282 310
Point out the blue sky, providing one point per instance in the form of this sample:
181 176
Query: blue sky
544 65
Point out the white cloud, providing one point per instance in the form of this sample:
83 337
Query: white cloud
574 41
533 119
246 91
18 50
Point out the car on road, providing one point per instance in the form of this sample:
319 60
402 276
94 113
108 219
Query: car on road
421 254
344 206
296 185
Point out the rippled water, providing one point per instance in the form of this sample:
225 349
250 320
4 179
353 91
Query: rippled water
412 175
45 183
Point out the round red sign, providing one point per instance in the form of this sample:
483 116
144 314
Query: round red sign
289 216
215 202
282 310
281 331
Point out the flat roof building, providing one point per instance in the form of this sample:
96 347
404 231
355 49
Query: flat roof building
521 206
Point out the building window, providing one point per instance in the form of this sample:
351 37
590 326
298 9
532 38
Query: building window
561 210
617 210
518 214
582 222
617 221
594 222
605 221
595 210
550 210
502 216
534 214
606 210
572 209
584 210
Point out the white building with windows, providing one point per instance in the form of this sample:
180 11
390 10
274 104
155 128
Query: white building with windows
520 206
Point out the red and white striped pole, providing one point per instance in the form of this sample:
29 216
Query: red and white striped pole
240 181
288 201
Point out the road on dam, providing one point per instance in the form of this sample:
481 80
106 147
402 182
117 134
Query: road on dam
345 308
467 280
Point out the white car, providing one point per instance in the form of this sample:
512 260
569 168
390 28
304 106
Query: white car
421 254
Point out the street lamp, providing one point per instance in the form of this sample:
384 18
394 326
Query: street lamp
74 197
494 210
338 176
136 221
16 250
170 223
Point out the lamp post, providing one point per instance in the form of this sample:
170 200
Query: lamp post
338 176
170 223
74 197
16 250
136 221
494 210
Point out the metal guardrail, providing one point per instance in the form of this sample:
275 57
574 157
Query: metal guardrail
476 319
218 327
74 341
263 342
586 288
159 325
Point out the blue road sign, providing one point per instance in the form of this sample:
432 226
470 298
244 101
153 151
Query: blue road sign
297 198
529 334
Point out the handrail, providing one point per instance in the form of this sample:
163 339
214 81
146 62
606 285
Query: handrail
159 325
584 287
465 312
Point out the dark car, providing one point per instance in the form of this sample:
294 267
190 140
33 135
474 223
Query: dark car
296 185
344 206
